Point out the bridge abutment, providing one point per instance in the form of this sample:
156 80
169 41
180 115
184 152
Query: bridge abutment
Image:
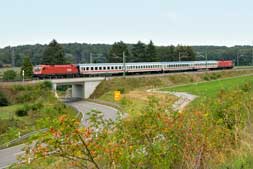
78 90
81 87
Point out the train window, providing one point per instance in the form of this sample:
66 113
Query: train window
91 68
100 68
112 67
108 67
116 67
87 68
120 67
96 68
104 68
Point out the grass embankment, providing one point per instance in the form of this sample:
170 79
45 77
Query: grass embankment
211 88
134 89
28 108
229 101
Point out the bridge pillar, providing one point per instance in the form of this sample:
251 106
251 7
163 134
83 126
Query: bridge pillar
78 91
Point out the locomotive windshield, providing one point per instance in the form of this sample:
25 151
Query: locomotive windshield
37 68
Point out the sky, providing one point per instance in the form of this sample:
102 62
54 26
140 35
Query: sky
166 22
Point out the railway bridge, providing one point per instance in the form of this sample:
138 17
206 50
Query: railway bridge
81 87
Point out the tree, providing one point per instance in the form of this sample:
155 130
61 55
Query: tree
139 52
190 53
27 67
151 54
54 54
116 52
9 75
185 53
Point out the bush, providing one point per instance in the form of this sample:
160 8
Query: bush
3 100
206 77
122 90
22 111
9 75
46 85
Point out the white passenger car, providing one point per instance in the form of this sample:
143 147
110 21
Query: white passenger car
116 68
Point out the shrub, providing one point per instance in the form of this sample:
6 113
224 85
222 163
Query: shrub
206 77
3 100
46 85
122 90
9 75
22 111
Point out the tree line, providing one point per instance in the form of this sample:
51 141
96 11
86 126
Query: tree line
55 53
139 52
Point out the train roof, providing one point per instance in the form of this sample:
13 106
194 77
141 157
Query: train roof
146 63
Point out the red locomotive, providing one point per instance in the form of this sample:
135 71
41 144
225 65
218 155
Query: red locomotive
225 64
69 70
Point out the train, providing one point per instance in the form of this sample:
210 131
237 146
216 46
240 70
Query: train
107 69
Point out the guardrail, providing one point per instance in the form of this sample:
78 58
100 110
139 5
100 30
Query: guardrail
21 138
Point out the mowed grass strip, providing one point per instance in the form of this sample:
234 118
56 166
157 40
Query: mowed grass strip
7 111
211 88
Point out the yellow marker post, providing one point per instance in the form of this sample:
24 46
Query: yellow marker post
117 95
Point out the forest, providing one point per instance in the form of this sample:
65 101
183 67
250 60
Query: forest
139 52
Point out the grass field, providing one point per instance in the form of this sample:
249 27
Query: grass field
211 88
6 112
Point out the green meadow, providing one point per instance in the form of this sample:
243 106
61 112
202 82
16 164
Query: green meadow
211 88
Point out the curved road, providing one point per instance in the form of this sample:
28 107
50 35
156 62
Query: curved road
8 155
85 106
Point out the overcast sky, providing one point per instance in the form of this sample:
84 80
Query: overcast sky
188 22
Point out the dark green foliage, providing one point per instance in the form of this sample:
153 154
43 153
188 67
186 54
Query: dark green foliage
27 67
151 53
3 100
46 85
9 75
54 54
1 64
139 52
122 90
80 53
116 52
22 111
